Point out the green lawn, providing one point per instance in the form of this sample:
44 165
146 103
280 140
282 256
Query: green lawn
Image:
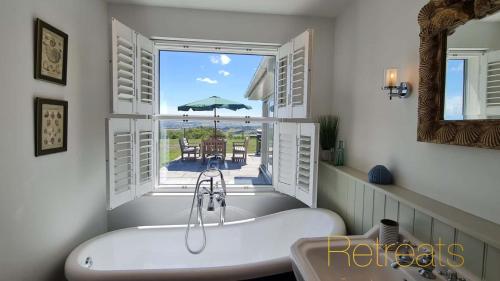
170 150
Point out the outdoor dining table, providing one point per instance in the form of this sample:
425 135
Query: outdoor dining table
213 146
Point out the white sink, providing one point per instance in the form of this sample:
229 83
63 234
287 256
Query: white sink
310 260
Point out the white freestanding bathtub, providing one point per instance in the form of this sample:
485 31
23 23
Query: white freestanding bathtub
236 251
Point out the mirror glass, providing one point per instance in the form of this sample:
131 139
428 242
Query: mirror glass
472 87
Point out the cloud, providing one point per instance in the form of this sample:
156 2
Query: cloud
454 105
457 68
214 59
220 59
224 73
206 80
224 59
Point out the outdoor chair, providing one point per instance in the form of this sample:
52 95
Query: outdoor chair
188 149
240 150
213 146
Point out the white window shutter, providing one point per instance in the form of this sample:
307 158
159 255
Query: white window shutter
300 75
307 163
123 46
120 162
493 85
285 149
145 75
283 81
145 156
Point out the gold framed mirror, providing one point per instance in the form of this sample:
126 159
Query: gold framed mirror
459 88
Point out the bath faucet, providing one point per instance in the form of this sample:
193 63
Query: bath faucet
217 194
214 195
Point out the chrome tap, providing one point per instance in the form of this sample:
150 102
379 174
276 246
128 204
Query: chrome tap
450 275
215 195
219 194
404 258
426 265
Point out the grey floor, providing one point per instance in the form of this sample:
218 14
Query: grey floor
185 172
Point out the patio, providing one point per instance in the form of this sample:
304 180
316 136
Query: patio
186 172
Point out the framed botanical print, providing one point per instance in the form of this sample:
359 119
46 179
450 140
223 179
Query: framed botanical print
51 53
51 126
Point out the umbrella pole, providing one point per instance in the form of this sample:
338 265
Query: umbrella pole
215 123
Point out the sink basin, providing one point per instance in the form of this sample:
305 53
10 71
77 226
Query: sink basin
310 261
323 259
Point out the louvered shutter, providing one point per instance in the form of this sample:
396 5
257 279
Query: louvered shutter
144 155
493 85
145 75
307 163
286 150
123 68
300 73
283 81
121 175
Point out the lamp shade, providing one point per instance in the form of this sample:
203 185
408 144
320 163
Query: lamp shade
391 77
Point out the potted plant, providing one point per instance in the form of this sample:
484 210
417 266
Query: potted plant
328 127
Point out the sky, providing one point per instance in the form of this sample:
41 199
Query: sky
454 90
188 76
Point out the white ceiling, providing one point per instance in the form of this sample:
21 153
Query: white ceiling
322 8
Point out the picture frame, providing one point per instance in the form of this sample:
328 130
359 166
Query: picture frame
51 126
51 53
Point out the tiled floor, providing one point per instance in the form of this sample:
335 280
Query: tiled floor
180 172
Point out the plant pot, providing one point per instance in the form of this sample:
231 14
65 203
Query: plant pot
326 155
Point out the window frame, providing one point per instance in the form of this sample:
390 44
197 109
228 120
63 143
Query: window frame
209 46
474 60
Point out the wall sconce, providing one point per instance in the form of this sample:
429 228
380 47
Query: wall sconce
391 84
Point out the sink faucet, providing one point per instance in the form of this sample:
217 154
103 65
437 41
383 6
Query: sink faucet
404 258
426 265
450 275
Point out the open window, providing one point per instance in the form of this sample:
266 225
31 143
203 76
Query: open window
296 149
293 83
130 159
153 144
472 88
493 84
130 140
133 71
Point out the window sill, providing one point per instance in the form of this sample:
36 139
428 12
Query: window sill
169 190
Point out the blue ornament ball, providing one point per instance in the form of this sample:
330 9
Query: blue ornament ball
380 175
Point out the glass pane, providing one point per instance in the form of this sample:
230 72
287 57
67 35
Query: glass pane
454 89
242 80
245 163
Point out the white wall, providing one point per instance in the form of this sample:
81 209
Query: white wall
371 36
50 204
476 34
215 25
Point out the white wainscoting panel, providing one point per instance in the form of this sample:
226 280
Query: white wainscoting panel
362 205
